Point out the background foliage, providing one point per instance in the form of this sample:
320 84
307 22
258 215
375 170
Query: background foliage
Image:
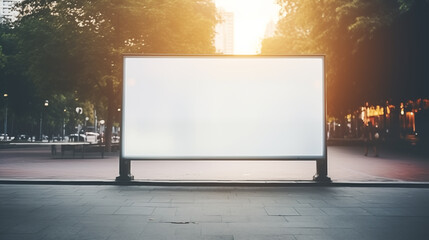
376 50
70 52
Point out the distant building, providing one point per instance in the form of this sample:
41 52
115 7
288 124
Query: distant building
270 29
6 10
224 39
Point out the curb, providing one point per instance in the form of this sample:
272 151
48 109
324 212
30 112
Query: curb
168 183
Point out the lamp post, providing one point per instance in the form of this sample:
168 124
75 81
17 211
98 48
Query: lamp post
46 104
102 130
64 124
95 121
79 111
102 126
5 117
86 119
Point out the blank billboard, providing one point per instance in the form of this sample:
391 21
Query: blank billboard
223 107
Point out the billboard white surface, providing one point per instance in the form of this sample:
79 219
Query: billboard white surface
223 107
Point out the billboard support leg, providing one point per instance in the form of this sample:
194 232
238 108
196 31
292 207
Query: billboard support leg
322 171
124 170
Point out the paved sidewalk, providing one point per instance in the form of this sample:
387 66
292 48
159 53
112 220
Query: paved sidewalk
216 213
345 164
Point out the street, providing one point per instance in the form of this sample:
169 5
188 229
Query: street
345 163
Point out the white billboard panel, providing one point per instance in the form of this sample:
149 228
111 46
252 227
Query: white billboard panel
223 107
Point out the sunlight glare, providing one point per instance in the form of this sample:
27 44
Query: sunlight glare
251 19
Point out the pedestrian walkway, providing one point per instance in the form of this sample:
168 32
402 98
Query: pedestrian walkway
345 164
42 212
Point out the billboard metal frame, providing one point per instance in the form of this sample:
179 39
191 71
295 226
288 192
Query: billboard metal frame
321 162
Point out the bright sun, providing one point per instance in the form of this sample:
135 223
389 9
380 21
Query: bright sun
250 21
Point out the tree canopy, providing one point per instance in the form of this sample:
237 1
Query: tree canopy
375 50
70 51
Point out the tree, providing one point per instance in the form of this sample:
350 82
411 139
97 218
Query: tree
350 33
2 58
74 48
21 100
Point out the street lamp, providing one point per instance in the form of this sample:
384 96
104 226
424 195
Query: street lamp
64 123
79 111
86 119
46 104
95 121
102 130
101 125
5 117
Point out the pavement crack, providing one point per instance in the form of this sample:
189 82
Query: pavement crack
182 222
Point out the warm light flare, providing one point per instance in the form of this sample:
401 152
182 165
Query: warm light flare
250 22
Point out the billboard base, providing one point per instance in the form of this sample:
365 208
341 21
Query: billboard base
124 171
125 178
322 178
322 171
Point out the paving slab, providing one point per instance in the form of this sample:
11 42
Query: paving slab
41 212
345 163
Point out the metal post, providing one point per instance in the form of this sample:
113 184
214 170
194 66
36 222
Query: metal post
95 121
124 170
86 119
40 132
64 128
78 135
5 117
322 171
64 124
79 111
5 124
41 118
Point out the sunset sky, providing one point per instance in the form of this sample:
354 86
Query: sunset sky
251 19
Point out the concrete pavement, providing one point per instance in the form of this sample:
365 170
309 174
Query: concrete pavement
345 164
297 212
43 212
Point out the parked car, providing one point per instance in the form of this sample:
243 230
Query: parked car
77 138
3 137
6 138
45 138
115 138
57 139
92 137
22 138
